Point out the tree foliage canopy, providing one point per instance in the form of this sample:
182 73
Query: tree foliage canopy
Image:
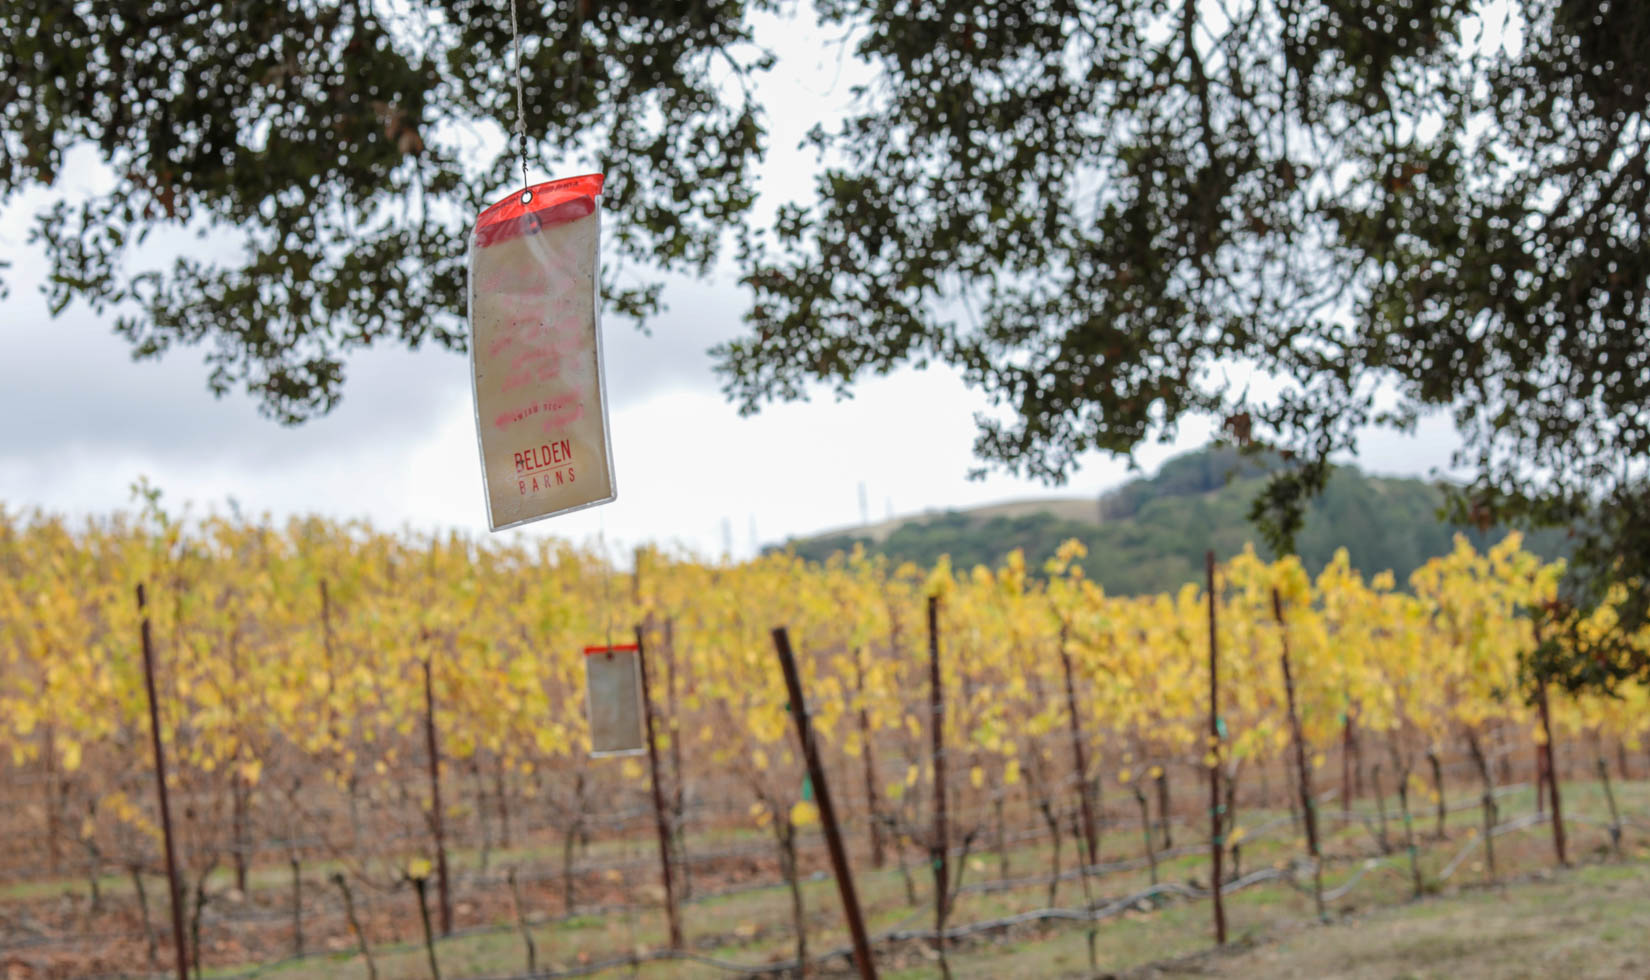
1113 215
1297 217
346 146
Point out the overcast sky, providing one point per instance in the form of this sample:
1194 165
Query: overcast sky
83 421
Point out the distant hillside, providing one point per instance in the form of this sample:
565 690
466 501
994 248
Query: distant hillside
1082 510
1150 534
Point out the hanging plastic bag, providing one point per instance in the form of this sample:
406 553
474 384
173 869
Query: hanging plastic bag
613 700
535 353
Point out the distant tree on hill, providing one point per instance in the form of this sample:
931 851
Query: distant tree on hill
1190 473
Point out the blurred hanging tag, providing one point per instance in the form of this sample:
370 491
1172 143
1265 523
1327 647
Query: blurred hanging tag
613 700
536 354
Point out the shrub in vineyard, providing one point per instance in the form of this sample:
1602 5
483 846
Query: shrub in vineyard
305 670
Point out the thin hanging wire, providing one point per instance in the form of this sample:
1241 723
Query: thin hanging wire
521 99
607 581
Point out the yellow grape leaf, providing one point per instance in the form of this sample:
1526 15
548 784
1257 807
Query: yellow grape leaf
631 769
1124 775
418 868
976 776
1011 772
71 755
804 813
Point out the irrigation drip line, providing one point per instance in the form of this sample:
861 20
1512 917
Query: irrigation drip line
394 898
539 872
629 908
324 903
1341 891
900 934
1384 861
1463 803
1091 870
1455 862
330 905
896 937
615 823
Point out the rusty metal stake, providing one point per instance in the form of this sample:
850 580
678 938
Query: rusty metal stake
1091 835
827 813
445 895
941 843
160 782
1546 750
1216 841
1303 772
672 914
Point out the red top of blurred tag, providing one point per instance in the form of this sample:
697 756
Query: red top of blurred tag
548 204
621 648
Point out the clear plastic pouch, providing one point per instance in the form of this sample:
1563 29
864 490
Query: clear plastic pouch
613 700
535 353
